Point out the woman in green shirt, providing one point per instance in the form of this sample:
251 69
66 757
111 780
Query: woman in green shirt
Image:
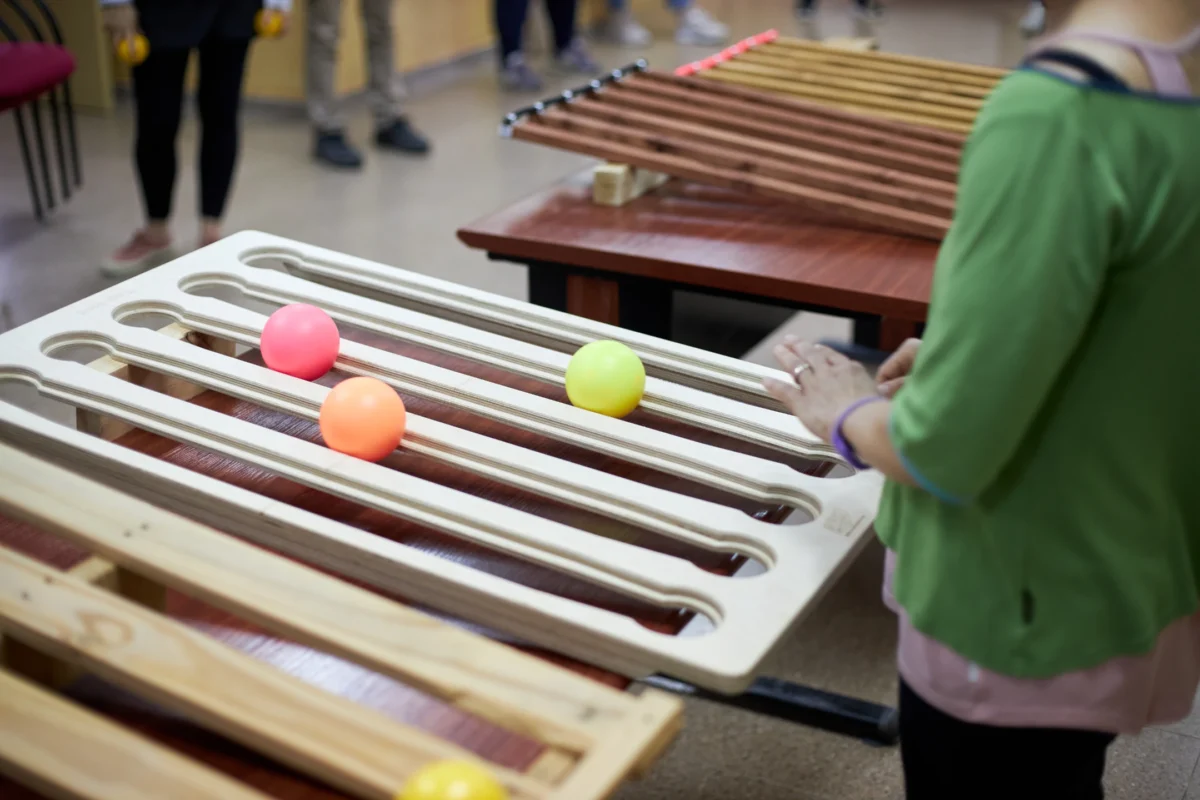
1042 513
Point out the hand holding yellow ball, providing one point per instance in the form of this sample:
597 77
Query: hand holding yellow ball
132 50
453 780
607 378
270 23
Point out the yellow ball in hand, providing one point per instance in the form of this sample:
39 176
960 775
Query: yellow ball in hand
133 50
268 23
607 378
453 780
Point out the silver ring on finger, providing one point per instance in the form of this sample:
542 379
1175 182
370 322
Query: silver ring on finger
798 371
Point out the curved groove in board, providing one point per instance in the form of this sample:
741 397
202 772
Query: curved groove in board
761 611
732 471
483 307
704 524
772 429
740 473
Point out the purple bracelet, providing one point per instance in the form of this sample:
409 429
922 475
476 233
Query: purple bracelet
843 447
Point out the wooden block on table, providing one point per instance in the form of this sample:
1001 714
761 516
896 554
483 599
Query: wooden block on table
860 44
617 184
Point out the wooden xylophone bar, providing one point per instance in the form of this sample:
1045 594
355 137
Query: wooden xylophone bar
879 173
932 92
595 736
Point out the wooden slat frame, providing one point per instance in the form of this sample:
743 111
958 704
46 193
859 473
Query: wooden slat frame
597 735
801 562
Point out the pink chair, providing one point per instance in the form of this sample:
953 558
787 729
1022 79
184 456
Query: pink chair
30 71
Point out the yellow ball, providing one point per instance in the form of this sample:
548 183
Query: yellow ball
453 780
137 53
268 23
606 377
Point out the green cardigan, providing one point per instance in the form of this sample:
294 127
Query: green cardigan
1053 414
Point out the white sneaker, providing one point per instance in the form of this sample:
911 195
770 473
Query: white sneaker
621 28
1034 21
137 255
698 27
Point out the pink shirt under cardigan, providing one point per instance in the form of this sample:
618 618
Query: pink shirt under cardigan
1123 695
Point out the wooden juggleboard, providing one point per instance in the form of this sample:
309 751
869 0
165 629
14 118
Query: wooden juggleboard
596 736
748 615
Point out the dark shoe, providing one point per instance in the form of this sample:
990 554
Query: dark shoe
399 135
332 148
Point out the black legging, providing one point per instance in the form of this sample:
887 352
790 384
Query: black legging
510 23
158 90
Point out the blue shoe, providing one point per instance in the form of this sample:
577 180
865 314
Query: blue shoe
331 147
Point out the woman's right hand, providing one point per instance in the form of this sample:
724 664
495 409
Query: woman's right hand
893 372
120 20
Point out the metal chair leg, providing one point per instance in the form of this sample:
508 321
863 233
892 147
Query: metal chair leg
27 159
72 140
35 111
63 178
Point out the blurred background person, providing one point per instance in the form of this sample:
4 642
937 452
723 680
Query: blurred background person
571 56
866 9
220 31
385 90
1034 21
694 26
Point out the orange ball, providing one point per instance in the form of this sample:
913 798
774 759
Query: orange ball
364 418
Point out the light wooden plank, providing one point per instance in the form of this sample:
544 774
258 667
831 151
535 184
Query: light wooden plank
333 739
68 753
893 58
521 692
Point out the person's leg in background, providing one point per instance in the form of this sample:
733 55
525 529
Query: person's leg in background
1034 21
870 9
945 757
324 111
219 102
695 26
158 103
515 74
386 91
570 54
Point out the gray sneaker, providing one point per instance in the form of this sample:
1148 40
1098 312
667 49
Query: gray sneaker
575 60
698 27
516 76
1034 21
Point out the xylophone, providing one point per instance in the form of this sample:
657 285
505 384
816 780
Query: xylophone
626 531
925 91
890 175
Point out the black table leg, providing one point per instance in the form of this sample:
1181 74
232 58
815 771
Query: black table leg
547 285
837 713
867 331
646 306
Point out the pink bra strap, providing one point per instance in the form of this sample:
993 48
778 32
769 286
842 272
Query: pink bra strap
1161 60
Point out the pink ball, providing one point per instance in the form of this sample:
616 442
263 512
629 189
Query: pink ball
300 340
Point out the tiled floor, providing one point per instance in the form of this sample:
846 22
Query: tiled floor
405 212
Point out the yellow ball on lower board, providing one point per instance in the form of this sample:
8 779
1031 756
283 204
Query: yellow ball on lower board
453 780
607 378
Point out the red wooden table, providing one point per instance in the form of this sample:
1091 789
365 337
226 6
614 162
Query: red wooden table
622 265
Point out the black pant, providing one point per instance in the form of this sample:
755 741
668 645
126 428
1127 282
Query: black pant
158 90
809 5
510 23
947 758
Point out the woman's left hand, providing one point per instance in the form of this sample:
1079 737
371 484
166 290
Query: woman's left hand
825 384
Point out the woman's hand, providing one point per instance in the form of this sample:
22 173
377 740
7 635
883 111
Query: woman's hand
121 22
826 384
893 372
